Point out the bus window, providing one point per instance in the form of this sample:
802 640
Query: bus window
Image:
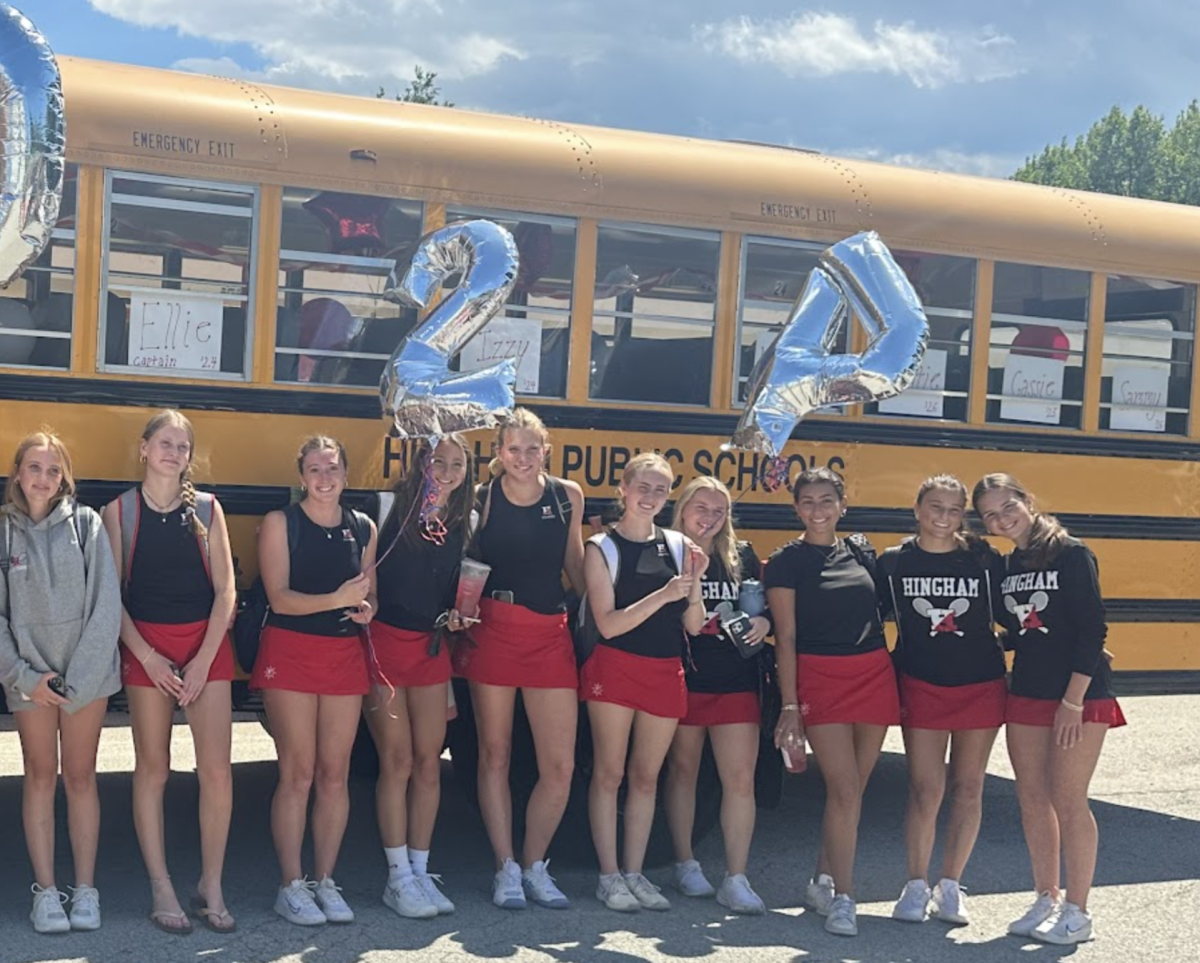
654 314
36 309
536 325
946 287
1039 341
1149 337
333 325
178 276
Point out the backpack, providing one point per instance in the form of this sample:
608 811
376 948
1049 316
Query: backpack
129 515
254 606
81 534
587 635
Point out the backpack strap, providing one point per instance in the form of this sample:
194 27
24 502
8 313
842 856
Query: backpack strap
610 553
129 517
82 527
205 511
360 525
562 500
677 543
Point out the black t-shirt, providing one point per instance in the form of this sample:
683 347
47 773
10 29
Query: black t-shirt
1055 620
715 665
645 567
944 604
168 580
836 611
416 582
526 546
321 561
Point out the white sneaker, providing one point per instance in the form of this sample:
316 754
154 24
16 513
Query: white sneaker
913 904
329 898
1067 926
690 879
295 903
429 886
406 897
950 903
736 896
507 891
843 917
85 908
1042 909
539 886
48 915
819 895
646 893
614 893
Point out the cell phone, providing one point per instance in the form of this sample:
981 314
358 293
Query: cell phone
738 628
175 671
58 685
503 595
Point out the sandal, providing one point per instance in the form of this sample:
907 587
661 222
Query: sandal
160 919
224 921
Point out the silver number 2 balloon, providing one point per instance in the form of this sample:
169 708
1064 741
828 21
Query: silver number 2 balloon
33 134
420 394
799 374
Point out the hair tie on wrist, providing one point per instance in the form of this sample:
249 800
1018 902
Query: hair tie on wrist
1072 706
791 707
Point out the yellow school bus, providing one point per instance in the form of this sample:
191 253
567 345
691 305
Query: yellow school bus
654 271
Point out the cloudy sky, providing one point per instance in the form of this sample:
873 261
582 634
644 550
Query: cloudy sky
963 85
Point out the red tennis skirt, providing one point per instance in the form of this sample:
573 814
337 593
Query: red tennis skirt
951 708
318 664
403 657
1024 711
722 709
517 648
654 686
178 644
842 689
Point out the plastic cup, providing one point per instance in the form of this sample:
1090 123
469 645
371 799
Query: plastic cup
795 758
752 597
472 577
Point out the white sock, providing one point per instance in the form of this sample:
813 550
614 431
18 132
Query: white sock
397 860
419 858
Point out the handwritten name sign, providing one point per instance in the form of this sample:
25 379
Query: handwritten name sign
924 396
1139 398
175 331
516 338
1040 380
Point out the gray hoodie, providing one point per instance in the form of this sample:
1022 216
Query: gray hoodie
60 605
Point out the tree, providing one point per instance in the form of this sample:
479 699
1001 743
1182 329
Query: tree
422 89
1134 155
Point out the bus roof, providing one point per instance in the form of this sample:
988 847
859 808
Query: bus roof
190 125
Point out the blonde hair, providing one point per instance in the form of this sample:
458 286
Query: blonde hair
170 418
1047 537
521 419
725 545
13 495
646 461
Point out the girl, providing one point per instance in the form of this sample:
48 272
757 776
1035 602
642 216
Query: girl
723 702
417 574
317 563
835 676
172 552
940 587
529 535
643 592
60 614
1060 705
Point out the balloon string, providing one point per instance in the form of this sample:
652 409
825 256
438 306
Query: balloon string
378 676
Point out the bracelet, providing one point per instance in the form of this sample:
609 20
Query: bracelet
791 707
145 657
1072 706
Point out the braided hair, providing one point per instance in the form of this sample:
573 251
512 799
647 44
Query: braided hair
177 419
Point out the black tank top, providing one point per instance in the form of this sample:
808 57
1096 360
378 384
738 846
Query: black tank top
646 567
168 581
526 546
321 561
417 581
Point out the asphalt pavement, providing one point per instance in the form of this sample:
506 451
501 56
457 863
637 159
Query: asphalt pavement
1146 903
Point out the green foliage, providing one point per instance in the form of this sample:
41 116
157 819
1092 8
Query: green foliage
422 89
1134 155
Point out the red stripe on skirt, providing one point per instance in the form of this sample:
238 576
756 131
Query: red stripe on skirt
178 644
952 708
654 686
1024 711
842 689
404 658
318 664
518 648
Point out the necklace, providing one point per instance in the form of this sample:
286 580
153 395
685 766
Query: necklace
164 512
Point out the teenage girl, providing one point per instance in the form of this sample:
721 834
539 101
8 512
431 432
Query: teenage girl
421 547
633 682
172 552
723 702
941 588
318 571
1060 704
60 615
530 535
835 677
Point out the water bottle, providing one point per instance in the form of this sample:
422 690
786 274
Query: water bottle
752 597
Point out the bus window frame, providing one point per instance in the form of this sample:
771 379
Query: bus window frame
56 234
253 213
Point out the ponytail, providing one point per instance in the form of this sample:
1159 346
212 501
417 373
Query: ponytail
188 498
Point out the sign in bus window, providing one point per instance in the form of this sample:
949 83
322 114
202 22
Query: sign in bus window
503 338
175 332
